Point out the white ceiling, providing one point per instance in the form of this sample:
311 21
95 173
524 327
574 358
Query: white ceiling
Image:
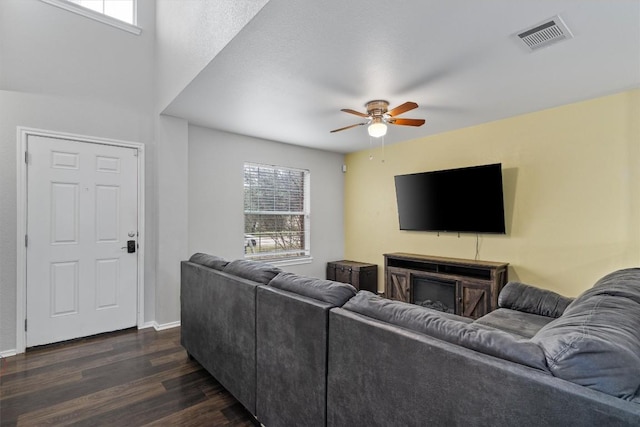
288 73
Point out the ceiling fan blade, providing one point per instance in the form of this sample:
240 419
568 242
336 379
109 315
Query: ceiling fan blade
348 127
407 106
357 113
407 122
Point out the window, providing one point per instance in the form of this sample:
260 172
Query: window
276 212
119 9
117 13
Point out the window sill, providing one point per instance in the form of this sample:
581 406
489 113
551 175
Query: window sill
96 16
293 261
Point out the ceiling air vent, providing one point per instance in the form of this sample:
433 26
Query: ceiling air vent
551 31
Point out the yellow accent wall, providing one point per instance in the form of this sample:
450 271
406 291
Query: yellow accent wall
571 178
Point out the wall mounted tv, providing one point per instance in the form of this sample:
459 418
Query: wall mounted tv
465 200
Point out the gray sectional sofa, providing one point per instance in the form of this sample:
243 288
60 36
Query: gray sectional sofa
302 351
267 345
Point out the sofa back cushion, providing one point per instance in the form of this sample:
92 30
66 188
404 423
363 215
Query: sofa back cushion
448 327
334 293
210 261
596 342
252 270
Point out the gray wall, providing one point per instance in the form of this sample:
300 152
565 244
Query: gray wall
190 34
172 208
63 72
66 73
48 50
216 221
63 115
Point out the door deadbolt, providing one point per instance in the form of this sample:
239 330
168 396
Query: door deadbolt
131 246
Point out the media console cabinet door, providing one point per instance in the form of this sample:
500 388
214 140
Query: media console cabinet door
398 284
475 299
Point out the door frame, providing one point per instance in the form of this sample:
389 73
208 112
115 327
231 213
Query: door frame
21 205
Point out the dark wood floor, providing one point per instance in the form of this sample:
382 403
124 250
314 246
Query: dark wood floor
127 378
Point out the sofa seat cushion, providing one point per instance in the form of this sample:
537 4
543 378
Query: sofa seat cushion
210 261
517 323
596 342
448 327
252 270
334 293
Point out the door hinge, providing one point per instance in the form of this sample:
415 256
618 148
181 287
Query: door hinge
26 241
26 157
25 325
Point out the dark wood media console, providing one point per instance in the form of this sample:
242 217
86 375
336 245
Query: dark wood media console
461 286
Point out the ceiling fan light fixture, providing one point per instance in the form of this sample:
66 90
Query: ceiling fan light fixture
377 129
378 116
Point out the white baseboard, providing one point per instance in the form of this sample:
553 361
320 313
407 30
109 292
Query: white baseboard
147 325
160 327
155 325
8 353
166 325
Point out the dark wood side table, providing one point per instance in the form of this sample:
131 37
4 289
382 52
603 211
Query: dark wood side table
361 275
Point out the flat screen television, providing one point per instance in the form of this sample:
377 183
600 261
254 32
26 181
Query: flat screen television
465 200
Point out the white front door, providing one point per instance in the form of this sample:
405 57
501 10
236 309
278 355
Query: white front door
81 212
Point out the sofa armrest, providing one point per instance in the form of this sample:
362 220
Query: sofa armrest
529 299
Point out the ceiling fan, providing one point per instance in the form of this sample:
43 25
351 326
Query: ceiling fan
378 116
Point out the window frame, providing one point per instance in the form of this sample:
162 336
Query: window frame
100 17
272 257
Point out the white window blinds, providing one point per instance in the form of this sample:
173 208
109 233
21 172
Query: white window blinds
276 212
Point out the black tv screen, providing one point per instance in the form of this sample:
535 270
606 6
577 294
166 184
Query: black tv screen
458 200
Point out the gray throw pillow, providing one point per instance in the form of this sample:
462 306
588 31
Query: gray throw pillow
530 299
596 342
252 270
210 261
334 293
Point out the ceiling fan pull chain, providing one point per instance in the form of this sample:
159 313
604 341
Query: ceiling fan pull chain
370 148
